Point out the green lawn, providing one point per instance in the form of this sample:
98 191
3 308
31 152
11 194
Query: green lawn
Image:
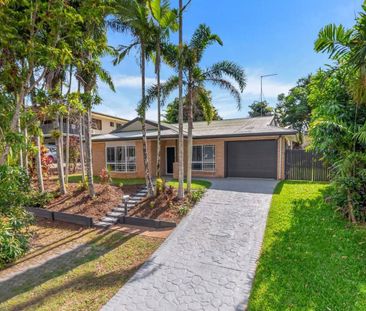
115 181
82 279
311 259
196 184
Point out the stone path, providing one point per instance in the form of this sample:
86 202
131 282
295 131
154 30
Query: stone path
209 261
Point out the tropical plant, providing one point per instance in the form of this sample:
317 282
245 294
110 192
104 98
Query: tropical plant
197 79
336 131
14 219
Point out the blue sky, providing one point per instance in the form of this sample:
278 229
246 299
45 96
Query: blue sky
263 36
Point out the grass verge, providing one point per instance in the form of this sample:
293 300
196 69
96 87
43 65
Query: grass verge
196 184
311 259
83 279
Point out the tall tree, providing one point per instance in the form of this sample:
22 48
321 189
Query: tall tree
165 21
132 16
220 74
259 109
293 109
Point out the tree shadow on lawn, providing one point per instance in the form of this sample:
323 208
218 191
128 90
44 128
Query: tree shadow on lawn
311 258
87 282
60 265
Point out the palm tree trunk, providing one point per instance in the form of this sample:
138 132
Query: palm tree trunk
180 115
81 142
159 110
149 184
39 165
190 140
60 162
89 156
67 156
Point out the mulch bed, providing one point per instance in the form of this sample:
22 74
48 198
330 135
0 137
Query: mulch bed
77 201
164 207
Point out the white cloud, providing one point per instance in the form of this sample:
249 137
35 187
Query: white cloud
131 81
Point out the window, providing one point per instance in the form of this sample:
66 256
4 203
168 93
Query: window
111 124
118 125
96 124
203 158
121 158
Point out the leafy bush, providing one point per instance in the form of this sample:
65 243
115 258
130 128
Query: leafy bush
160 185
197 195
183 210
14 219
38 199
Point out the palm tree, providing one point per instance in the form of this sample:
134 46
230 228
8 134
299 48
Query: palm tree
196 79
132 16
165 21
347 46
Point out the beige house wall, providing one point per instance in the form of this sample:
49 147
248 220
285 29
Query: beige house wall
99 157
106 127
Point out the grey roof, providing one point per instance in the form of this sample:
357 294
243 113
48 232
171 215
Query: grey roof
224 128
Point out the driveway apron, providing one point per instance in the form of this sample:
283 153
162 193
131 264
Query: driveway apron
209 261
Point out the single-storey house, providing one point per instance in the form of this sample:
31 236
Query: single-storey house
243 147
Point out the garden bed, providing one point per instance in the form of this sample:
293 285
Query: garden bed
78 202
166 206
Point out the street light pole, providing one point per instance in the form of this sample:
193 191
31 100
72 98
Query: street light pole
265 76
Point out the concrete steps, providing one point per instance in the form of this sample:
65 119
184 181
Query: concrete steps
112 217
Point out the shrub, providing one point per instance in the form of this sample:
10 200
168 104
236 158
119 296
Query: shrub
196 195
160 185
183 210
105 176
14 219
38 199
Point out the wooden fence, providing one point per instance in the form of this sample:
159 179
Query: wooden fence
302 165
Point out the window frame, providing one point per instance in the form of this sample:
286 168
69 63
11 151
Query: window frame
124 166
111 123
97 124
202 161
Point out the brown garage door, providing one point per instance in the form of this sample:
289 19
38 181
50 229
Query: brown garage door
257 159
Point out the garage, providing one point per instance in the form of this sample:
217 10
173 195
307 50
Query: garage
253 159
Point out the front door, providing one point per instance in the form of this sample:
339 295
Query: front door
170 159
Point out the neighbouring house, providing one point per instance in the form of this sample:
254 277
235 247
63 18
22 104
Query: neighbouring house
101 124
247 147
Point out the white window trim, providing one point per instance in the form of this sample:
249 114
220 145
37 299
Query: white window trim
202 161
115 156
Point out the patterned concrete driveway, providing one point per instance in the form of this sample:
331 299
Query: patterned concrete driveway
209 261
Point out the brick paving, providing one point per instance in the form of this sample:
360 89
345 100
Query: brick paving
209 261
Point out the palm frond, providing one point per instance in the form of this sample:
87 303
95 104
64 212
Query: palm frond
334 40
105 77
230 69
226 85
201 39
